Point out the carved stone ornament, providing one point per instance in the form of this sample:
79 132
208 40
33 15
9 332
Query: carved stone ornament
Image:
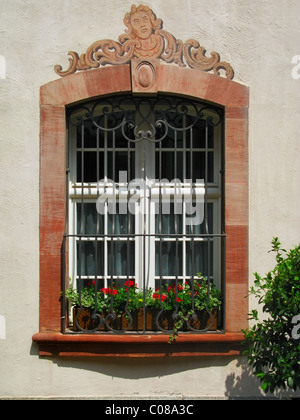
145 39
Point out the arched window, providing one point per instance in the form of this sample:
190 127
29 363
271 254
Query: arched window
190 125
145 207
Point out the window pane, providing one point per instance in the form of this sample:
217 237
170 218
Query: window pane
201 229
197 258
198 134
121 257
117 162
90 222
118 223
89 139
166 166
167 259
86 258
90 166
198 166
169 223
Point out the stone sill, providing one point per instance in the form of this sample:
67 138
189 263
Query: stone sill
54 344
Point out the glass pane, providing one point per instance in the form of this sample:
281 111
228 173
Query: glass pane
86 258
198 134
198 166
169 223
89 135
90 222
201 229
90 166
121 257
167 166
197 258
121 164
118 224
167 260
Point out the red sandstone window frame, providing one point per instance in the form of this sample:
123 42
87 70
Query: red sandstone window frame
54 97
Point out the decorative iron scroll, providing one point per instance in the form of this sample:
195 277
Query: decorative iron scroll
145 38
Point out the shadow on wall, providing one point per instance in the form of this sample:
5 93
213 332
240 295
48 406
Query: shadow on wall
238 384
242 383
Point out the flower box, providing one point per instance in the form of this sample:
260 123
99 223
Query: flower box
166 321
153 320
83 317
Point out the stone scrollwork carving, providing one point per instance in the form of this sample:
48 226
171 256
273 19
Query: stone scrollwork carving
145 38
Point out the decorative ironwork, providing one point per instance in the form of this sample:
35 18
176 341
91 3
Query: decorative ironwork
135 116
145 38
149 119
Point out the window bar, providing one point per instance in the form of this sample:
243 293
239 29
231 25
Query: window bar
160 238
106 241
128 240
95 315
79 268
192 231
112 315
175 315
192 242
206 222
145 224
97 227
194 316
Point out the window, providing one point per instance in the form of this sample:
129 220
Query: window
81 88
145 195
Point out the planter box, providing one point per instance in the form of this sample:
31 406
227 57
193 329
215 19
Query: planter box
166 321
121 323
84 319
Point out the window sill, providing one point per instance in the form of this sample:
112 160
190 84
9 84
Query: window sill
91 345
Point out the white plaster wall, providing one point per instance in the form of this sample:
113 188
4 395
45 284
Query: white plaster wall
259 38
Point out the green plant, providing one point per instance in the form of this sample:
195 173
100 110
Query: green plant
108 299
186 298
271 349
186 295
179 322
182 300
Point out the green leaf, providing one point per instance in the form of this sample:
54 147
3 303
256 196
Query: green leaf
290 382
270 349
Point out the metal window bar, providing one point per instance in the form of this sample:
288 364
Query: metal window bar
184 238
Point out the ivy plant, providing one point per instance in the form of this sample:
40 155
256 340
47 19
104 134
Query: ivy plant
273 350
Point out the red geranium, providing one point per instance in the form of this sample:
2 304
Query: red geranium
108 291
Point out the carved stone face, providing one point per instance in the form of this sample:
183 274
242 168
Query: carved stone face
141 25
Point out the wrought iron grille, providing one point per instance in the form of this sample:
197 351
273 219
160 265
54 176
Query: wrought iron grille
145 243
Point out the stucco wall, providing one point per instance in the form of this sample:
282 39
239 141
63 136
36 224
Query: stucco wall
259 39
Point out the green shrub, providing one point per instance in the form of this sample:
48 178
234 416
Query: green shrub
272 350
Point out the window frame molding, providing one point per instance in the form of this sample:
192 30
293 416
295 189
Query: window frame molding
173 80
